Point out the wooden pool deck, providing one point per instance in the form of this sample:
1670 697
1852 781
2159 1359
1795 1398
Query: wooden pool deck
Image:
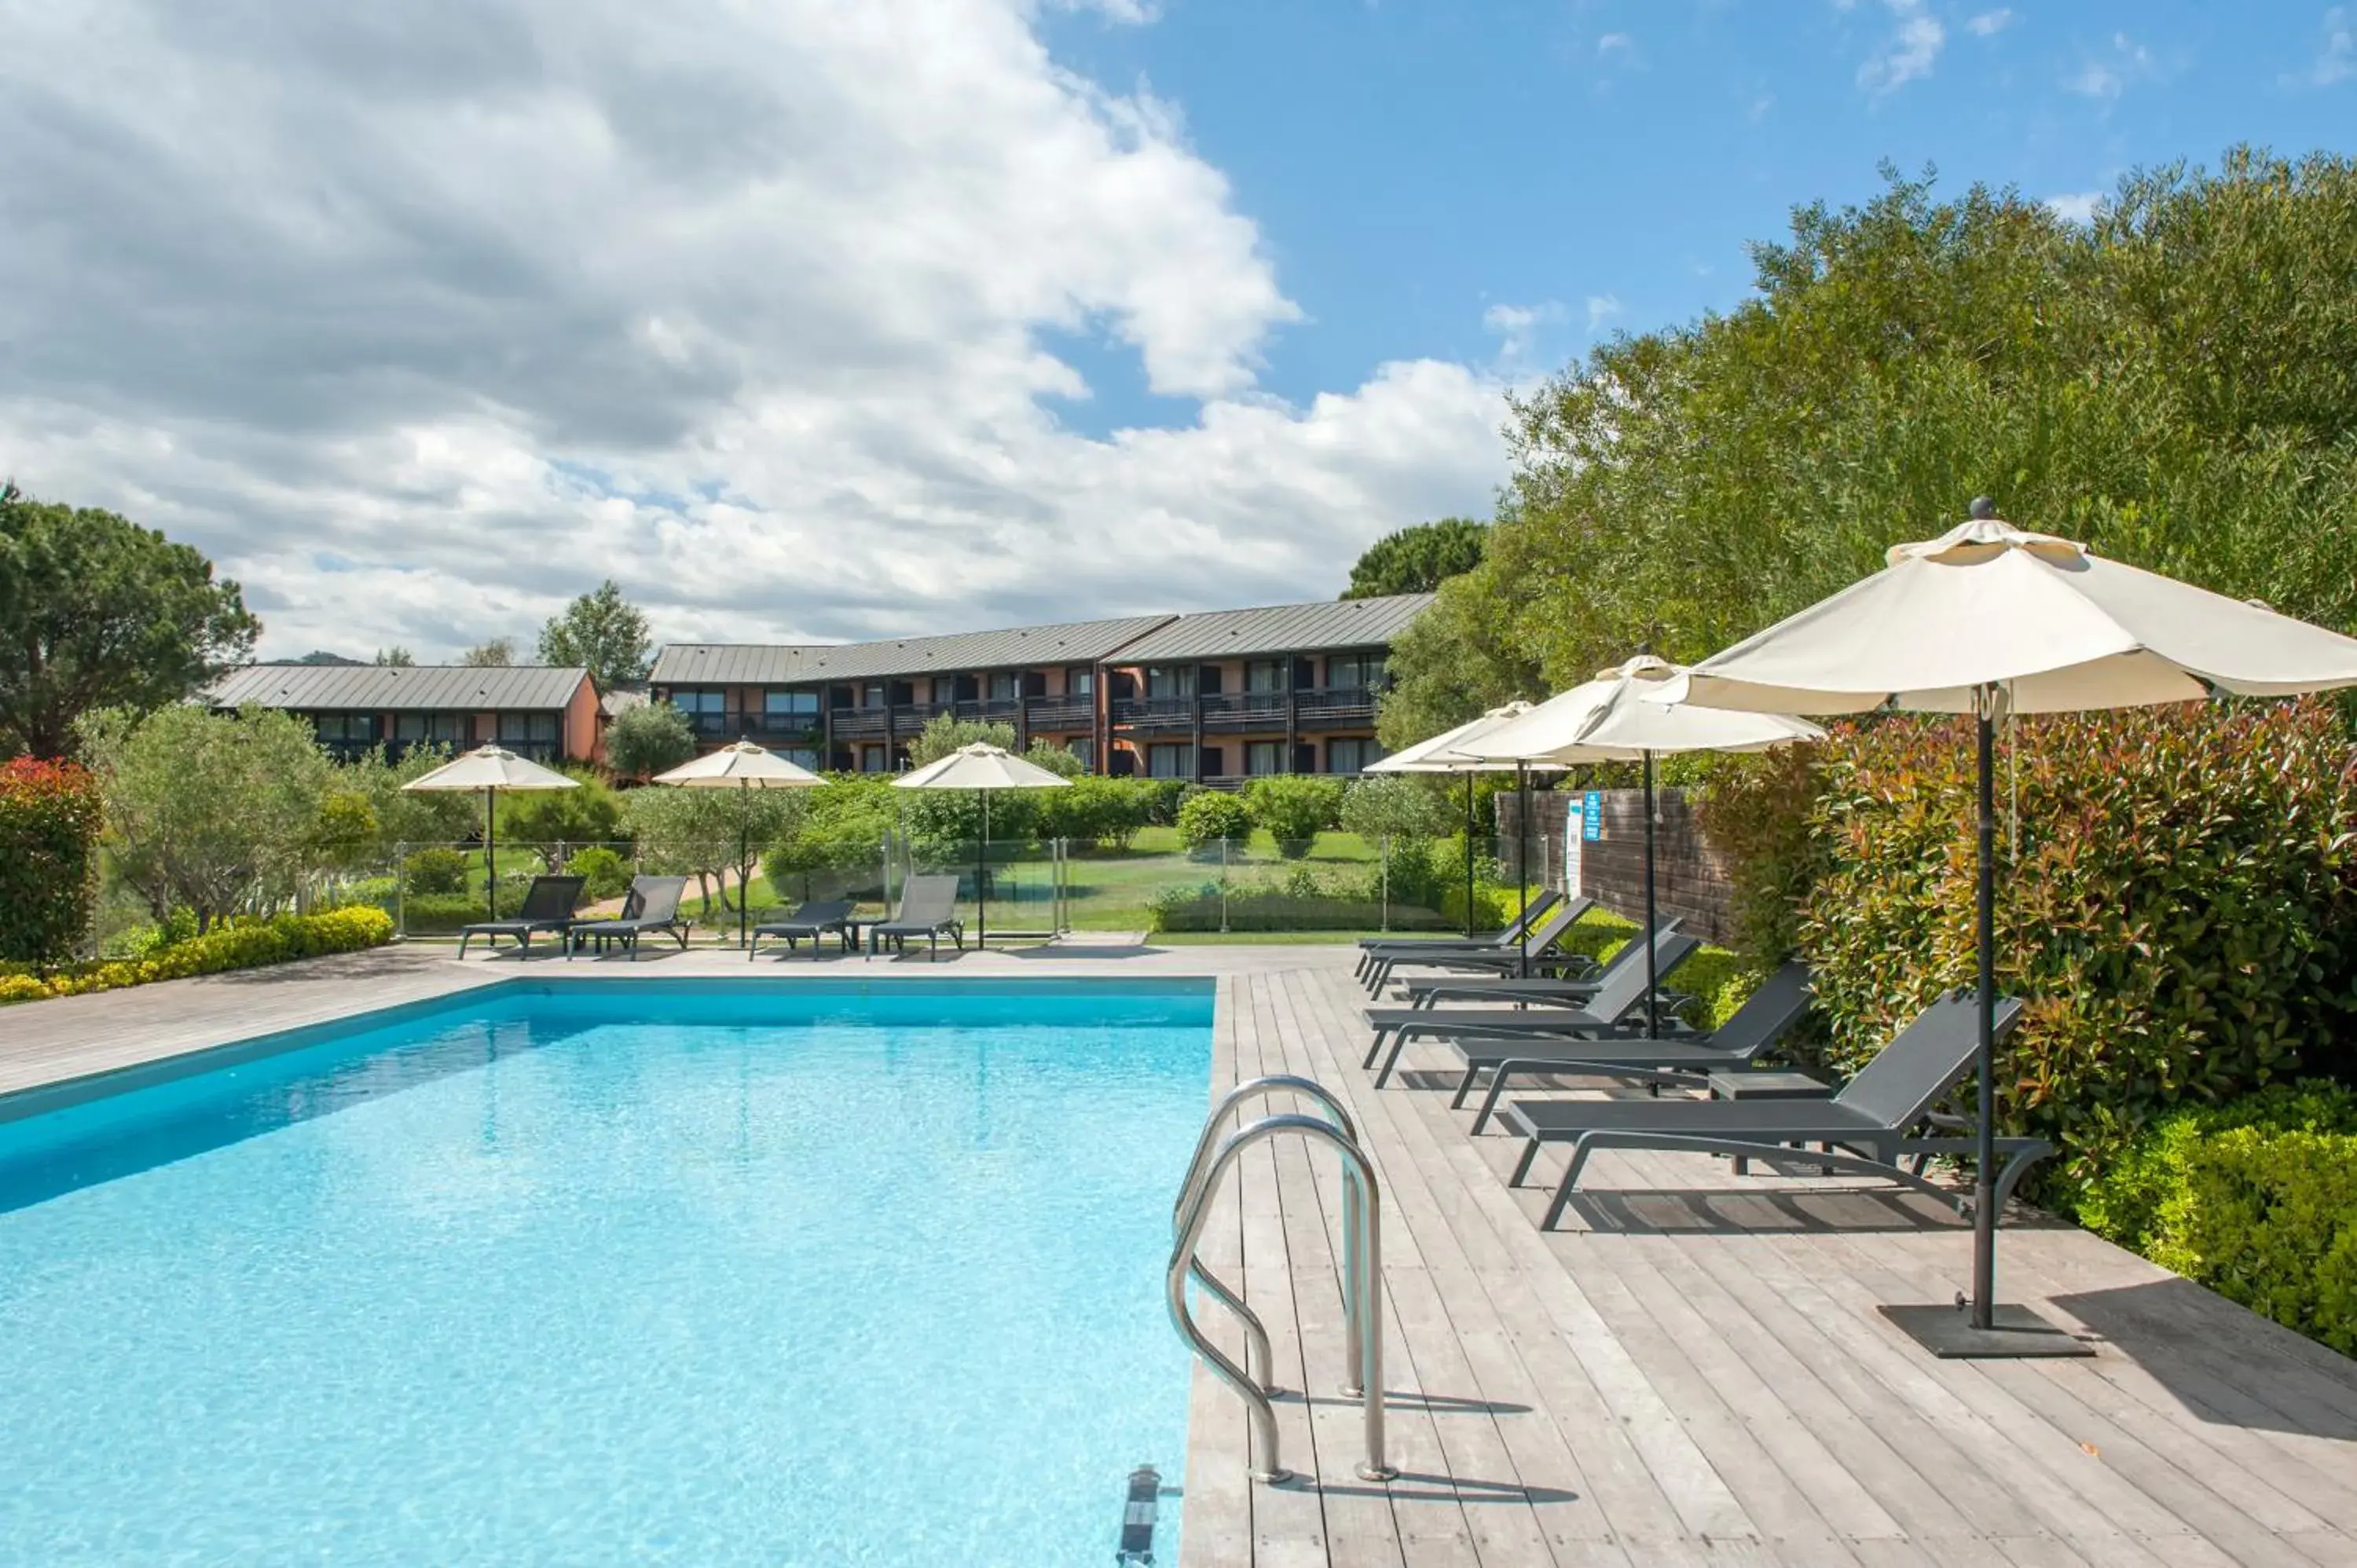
1693 1372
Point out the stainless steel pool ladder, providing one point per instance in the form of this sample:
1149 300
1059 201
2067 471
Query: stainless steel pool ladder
1362 1266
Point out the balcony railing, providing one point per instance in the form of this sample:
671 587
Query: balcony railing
857 724
1060 714
1314 708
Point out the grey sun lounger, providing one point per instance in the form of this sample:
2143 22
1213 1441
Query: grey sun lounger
1624 1052
817 918
652 906
1867 1129
1531 952
1540 990
1620 994
928 908
1498 941
548 906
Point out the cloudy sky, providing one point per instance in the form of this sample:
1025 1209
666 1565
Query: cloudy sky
821 320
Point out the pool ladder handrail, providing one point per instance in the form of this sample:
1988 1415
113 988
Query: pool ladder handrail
1362 1266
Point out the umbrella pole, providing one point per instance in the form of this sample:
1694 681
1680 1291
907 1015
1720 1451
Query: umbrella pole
1523 862
1985 1157
981 859
1469 857
1652 976
744 874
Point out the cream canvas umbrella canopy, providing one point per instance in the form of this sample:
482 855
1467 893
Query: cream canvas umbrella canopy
741 766
1437 755
984 768
1622 716
490 768
1988 618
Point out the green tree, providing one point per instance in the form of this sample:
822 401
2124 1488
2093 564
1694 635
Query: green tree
396 658
945 732
588 813
219 812
602 633
497 653
403 816
98 612
1293 809
648 739
2170 384
1393 806
695 833
1418 560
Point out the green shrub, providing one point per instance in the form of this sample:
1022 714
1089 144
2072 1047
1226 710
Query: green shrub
431 871
1395 807
1164 797
1211 816
589 813
1294 809
2269 1218
2127 1200
50 822
2176 921
1104 813
238 944
1718 981
439 914
604 873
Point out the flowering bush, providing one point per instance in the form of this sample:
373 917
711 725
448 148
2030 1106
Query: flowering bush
49 821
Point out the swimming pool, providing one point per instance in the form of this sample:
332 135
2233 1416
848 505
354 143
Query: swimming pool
691 1272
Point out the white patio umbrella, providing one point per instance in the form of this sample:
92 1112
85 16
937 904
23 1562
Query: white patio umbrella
984 768
490 768
1985 618
1436 754
741 766
1622 716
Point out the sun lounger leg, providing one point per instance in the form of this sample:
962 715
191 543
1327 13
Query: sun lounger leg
1523 1166
1399 1044
1464 1087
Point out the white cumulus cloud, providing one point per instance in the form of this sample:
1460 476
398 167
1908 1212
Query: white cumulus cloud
2107 75
1988 24
2074 205
422 320
1908 53
2336 59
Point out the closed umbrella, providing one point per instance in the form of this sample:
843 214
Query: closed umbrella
491 768
1988 619
984 768
1620 716
1437 755
742 767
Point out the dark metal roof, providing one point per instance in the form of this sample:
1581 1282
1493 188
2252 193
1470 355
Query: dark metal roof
1280 628
744 664
376 688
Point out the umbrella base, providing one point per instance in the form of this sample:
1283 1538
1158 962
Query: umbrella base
2016 1333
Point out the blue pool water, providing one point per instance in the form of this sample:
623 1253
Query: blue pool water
622 1273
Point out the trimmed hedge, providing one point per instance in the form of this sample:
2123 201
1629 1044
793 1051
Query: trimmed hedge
49 821
1717 980
242 944
1211 816
2256 1200
2181 920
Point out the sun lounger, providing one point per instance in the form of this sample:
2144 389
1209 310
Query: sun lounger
928 908
1498 940
1623 1052
1620 994
1532 952
817 918
1557 990
1867 1129
548 906
652 906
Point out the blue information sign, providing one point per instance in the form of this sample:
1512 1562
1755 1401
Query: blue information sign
1591 812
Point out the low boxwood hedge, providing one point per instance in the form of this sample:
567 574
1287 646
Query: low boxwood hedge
2256 1199
241 944
1717 979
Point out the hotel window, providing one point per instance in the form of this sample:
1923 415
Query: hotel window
347 729
872 696
872 759
1080 679
1085 750
779 703
1352 756
696 701
1263 757
1264 676
1002 685
1170 680
1171 761
1354 672
800 756
451 729
527 729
